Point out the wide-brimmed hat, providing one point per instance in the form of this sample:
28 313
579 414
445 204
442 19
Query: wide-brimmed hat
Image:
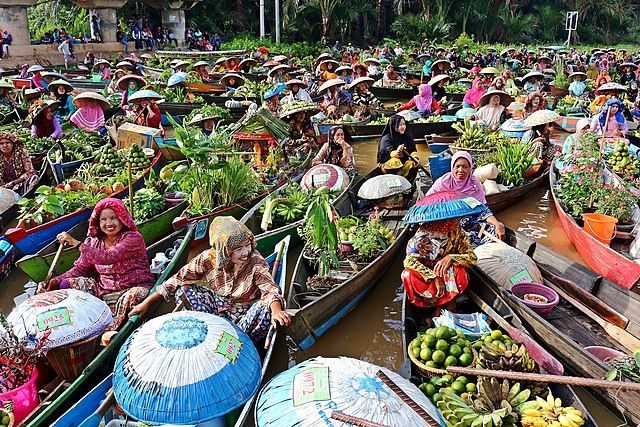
6 84
627 64
271 64
125 64
225 79
505 98
49 76
344 68
53 86
443 205
180 64
221 60
490 70
200 64
247 61
359 65
200 118
274 90
531 74
176 79
613 86
541 117
437 79
232 58
298 82
100 62
324 64
277 68
372 60
144 94
323 56
35 68
81 99
291 108
354 84
446 63
280 58
328 84
577 73
123 82
383 186
146 56
544 58
49 103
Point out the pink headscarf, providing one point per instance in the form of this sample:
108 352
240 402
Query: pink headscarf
424 98
118 207
473 95
88 118
470 186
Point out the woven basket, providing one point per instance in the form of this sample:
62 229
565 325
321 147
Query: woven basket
475 152
434 372
69 361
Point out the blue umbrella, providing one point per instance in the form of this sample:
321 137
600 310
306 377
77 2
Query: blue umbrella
308 393
185 368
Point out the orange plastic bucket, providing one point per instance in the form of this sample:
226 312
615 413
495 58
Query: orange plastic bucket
600 226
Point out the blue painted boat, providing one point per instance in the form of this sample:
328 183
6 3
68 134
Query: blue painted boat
90 402
8 257
30 240
318 313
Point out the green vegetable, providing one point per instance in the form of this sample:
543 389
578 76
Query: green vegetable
514 161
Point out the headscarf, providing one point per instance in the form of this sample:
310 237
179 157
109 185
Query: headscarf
619 116
424 98
132 91
226 234
470 186
44 126
334 156
15 160
490 114
88 118
118 207
473 95
390 139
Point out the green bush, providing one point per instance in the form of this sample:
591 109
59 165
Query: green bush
412 29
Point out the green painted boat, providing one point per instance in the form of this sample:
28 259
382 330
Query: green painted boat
66 394
36 266
266 241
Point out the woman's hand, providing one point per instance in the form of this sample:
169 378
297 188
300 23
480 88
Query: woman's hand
140 309
48 286
280 317
65 237
440 288
441 267
500 229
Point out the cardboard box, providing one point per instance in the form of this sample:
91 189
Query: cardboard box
130 134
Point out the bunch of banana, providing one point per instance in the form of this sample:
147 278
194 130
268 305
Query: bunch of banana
473 136
549 412
297 206
499 357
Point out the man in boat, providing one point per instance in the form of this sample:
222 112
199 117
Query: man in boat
231 280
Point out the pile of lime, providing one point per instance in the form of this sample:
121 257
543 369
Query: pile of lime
461 386
110 160
139 159
442 347
495 338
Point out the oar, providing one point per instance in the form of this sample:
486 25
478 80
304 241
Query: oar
428 419
52 266
274 271
96 417
353 420
417 162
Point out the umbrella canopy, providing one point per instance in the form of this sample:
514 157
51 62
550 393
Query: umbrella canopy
274 70
613 86
176 79
342 384
541 117
53 86
49 76
437 79
81 100
443 205
67 315
505 98
325 175
123 82
186 367
291 108
328 84
383 186
354 84
145 94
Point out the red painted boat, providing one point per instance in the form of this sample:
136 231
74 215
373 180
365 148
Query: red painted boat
602 259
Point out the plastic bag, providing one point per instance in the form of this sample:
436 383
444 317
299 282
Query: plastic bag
472 325
490 187
485 172
506 265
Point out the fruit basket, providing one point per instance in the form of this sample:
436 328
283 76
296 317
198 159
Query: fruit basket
438 346
473 151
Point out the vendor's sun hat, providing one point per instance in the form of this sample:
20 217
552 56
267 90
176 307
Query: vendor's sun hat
324 64
270 64
232 58
443 205
125 64
490 70
200 118
437 79
53 86
383 186
280 58
328 84
613 86
49 76
101 62
176 79
146 56
35 68
325 175
180 64
6 84
532 74
354 84
291 108
201 64
225 79
250 62
275 90
541 117
277 68
446 63
81 99
578 73
298 82
344 68
123 82
49 103
544 58
505 98
221 60
465 112
323 56
372 60
145 94
628 64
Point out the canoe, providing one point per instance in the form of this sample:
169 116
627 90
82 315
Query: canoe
208 88
177 108
367 130
12 213
501 201
323 128
316 314
458 97
192 54
572 324
36 266
603 259
68 393
393 93
221 100
238 210
266 240
86 405
413 321
64 170
88 84
31 240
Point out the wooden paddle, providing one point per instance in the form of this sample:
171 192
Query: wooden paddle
51 268
352 420
418 164
96 417
274 271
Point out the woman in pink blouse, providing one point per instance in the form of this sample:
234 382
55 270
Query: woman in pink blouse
231 280
113 261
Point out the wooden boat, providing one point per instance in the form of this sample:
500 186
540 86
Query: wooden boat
414 319
31 240
501 201
62 394
416 128
88 404
569 122
193 54
177 108
439 143
64 170
36 266
579 320
324 127
457 97
221 100
266 240
87 84
206 88
603 259
316 314
393 93
12 213
147 71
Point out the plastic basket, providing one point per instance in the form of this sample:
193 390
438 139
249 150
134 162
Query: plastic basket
70 360
24 398
439 165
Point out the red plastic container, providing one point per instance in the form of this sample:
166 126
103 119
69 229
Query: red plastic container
24 398
542 308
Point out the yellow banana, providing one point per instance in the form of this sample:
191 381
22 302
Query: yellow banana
566 422
575 418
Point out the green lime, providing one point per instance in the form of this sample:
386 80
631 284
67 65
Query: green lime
438 356
430 340
471 387
431 331
448 378
464 380
415 351
458 387
430 390
478 345
423 345
425 354
455 350
430 363
459 333
415 343
436 398
466 350
461 342
496 335
450 361
465 359
488 339
442 332
442 345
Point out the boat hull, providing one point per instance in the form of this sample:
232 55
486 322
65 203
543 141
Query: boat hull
501 201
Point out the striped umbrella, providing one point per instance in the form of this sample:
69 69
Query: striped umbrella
187 367
308 393
66 315
325 175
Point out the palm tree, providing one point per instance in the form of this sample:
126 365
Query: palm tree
326 8
550 19
515 25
